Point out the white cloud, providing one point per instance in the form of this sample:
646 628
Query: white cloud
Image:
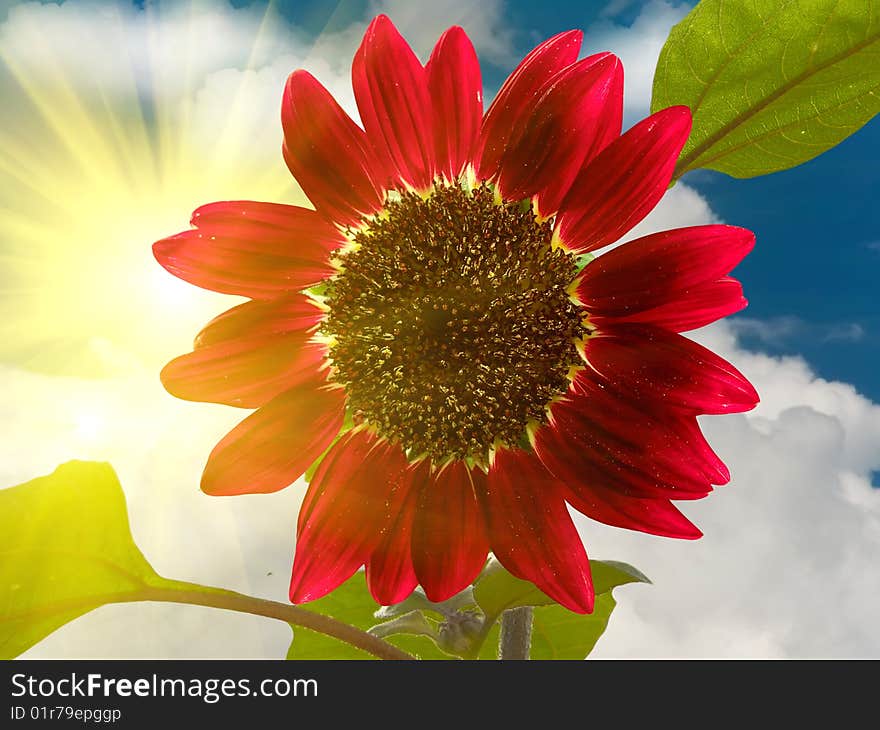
118 48
769 330
211 74
422 23
614 7
847 332
785 329
638 45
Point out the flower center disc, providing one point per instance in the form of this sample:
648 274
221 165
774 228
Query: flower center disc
451 322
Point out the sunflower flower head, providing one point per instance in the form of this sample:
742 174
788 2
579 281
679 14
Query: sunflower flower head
428 339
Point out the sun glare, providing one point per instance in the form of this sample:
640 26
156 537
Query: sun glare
89 426
88 180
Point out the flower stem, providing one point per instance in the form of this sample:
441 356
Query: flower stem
295 615
516 633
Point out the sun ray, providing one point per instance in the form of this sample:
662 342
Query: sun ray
93 170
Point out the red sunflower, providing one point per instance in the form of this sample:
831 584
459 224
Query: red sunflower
430 334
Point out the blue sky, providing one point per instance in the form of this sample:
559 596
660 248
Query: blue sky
800 518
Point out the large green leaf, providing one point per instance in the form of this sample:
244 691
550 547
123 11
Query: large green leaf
496 590
558 633
65 549
771 83
352 604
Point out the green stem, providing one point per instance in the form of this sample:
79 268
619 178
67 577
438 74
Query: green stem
515 640
295 615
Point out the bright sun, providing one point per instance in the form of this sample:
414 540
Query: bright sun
87 183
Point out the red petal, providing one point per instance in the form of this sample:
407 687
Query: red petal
714 469
355 494
511 108
249 354
391 90
291 313
274 446
531 532
664 369
654 516
390 573
257 250
300 227
579 114
456 88
659 269
246 372
620 187
697 307
449 539
327 152
596 437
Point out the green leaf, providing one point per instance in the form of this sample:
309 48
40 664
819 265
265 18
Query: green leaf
558 633
65 549
352 603
496 590
771 83
413 623
608 574
418 601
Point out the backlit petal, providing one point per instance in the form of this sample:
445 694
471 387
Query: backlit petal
698 306
449 539
510 110
666 370
257 250
354 497
391 90
327 153
456 88
579 114
659 269
531 532
274 446
390 573
246 372
621 186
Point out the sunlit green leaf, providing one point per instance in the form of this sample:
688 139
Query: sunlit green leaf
65 549
496 590
558 633
352 604
771 83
